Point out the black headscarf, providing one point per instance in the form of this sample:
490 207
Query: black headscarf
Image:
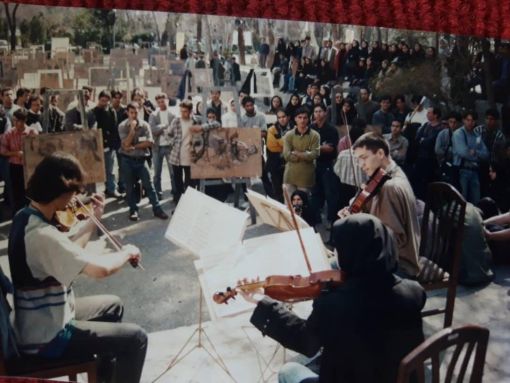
366 248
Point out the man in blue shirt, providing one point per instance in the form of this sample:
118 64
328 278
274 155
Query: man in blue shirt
468 151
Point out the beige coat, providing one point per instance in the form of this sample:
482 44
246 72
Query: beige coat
395 206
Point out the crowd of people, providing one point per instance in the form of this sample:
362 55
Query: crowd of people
324 145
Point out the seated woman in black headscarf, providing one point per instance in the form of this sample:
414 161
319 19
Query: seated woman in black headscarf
299 201
365 326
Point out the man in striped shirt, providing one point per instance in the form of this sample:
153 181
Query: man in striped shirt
49 321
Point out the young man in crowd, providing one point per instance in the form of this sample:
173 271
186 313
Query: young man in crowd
301 147
425 170
136 139
326 182
468 152
180 131
105 119
397 142
383 117
160 121
365 106
394 204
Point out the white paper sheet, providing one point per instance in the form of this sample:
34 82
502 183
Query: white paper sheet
201 222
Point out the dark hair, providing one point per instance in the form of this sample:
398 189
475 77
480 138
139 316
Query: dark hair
161 95
56 174
186 104
6 89
116 93
247 99
416 99
281 110
302 110
455 115
132 105
86 87
20 114
373 142
385 98
21 92
321 105
493 113
488 207
471 113
210 110
400 97
33 98
105 93
436 111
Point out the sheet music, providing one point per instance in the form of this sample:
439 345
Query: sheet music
201 222
274 254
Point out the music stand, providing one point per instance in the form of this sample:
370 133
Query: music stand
200 331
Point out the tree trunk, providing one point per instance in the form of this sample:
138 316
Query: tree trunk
11 23
491 97
240 43
271 41
199 28
158 35
209 36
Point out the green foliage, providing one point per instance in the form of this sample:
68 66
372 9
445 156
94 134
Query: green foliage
94 26
423 79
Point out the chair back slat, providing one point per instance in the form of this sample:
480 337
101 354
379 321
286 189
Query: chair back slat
453 363
442 225
435 368
476 338
465 362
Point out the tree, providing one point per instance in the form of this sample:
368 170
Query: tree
11 22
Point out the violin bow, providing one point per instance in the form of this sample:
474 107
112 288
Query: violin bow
114 241
354 174
296 226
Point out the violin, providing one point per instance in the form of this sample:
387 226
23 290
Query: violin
288 288
372 187
66 219
80 211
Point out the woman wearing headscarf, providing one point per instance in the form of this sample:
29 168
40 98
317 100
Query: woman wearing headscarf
365 326
301 206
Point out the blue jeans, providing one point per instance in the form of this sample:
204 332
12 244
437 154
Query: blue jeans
134 169
293 372
470 185
110 177
158 154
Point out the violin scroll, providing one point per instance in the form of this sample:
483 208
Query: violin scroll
224 297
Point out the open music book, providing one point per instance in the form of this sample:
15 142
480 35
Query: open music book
201 222
274 213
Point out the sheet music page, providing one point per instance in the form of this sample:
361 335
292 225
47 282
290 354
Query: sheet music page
201 222
273 212
275 254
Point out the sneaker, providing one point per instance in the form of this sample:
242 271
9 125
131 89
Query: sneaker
160 214
115 195
133 216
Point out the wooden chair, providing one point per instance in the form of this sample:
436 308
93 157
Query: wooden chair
412 366
36 367
441 244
